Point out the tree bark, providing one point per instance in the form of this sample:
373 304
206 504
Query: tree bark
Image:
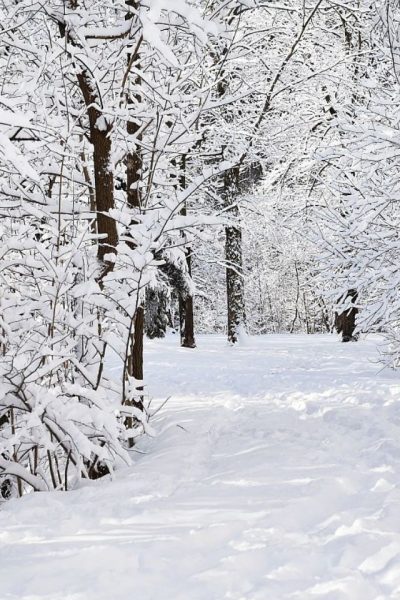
186 304
104 194
100 137
345 322
186 314
133 177
233 258
134 165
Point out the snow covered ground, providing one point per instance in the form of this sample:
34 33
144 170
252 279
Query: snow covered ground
275 475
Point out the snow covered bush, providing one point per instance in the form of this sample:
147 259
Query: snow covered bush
101 154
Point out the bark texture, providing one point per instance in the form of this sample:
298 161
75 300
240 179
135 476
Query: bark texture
233 257
186 304
134 166
345 322
186 314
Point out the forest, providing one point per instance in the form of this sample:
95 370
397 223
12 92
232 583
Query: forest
198 212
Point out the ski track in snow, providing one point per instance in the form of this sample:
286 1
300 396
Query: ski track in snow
275 475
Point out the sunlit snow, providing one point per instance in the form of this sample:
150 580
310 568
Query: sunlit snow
273 476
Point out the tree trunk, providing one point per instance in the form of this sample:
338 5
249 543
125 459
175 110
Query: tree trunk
100 137
233 258
133 176
157 312
134 166
135 363
104 193
345 322
186 312
186 316
186 308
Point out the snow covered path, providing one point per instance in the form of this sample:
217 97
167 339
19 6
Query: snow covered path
275 476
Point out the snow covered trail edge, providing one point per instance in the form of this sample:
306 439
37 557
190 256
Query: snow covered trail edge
275 475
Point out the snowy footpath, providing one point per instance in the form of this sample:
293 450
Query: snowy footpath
274 475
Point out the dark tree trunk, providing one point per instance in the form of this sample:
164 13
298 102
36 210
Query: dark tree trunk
135 363
103 197
104 194
186 308
186 316
134 165
233 257
187 322
100 137
103 176
133 177
157 312
345 322
233 239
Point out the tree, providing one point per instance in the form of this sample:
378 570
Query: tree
266 100
80 248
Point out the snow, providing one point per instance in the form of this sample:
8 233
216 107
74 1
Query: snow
274 475
11 153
